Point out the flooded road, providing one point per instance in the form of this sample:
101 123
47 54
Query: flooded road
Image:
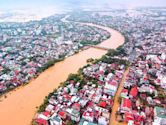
19 106
116 105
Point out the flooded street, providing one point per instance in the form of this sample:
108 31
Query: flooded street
116 105
19 106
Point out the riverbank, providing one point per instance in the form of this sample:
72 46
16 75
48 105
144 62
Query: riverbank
20 105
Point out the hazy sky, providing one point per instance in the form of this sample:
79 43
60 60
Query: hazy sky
10 4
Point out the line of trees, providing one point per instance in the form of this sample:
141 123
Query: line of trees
49 64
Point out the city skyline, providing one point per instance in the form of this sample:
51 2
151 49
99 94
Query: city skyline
34 4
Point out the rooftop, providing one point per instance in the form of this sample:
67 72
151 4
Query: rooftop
160 112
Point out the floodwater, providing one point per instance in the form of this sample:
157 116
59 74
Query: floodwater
19 106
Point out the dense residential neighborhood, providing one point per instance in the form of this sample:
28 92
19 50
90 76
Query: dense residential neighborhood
88 97
143 97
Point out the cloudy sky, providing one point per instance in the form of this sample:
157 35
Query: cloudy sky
20 4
